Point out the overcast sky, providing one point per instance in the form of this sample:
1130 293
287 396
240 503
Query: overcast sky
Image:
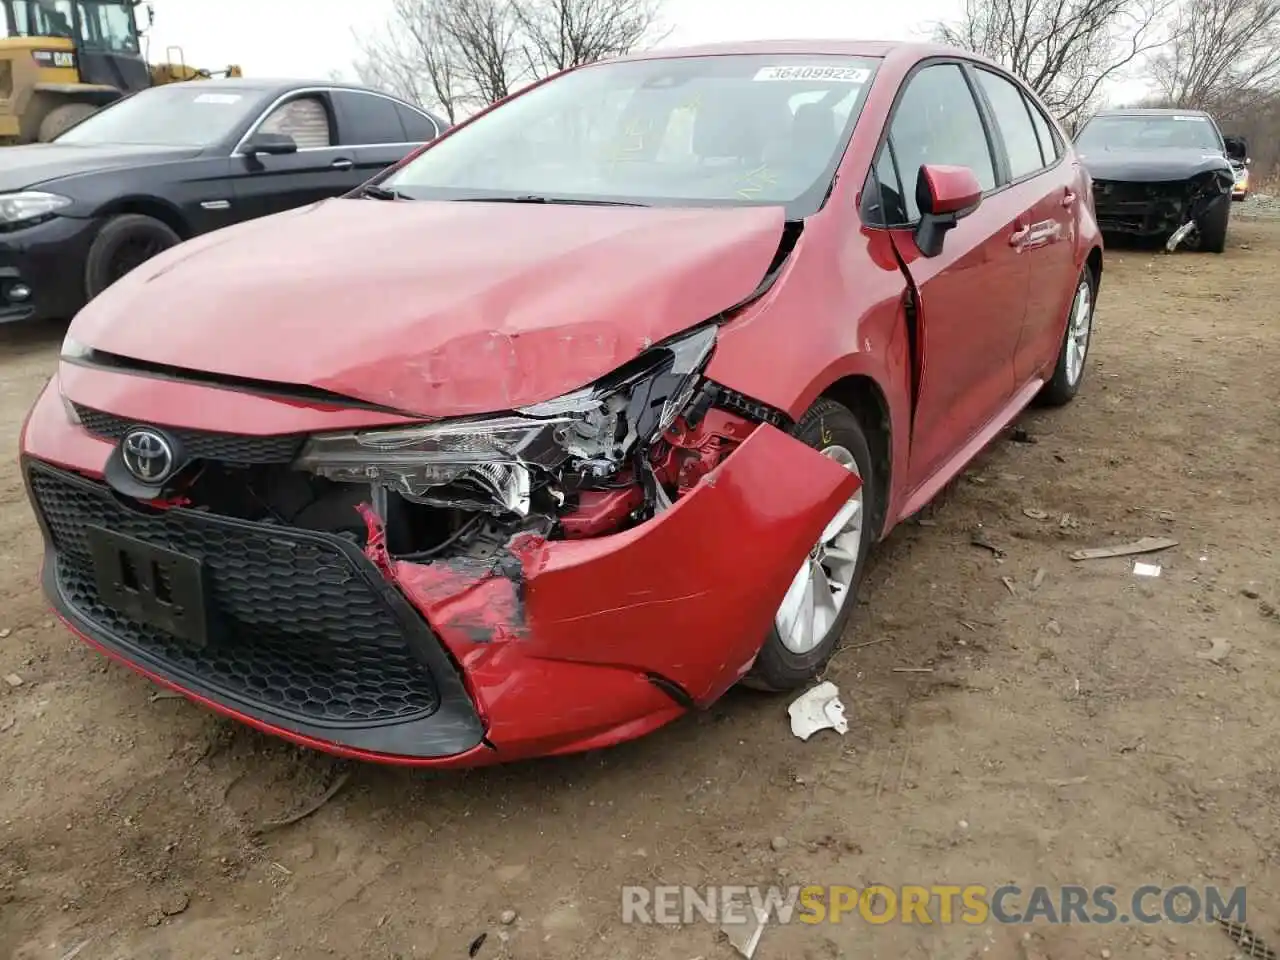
310 38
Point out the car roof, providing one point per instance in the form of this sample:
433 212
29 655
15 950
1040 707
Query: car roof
276 85
1150 112
823 46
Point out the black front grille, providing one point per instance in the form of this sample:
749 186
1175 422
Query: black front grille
303 628
201 444
1142 207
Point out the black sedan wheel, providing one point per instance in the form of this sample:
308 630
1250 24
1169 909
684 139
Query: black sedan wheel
1213 227
125 243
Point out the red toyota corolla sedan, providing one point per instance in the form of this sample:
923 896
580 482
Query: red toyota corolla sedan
587 412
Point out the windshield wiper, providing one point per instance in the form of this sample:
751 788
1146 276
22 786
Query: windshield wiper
536 198
382 193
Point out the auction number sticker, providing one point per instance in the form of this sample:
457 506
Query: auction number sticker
834 74
1193 119
223 98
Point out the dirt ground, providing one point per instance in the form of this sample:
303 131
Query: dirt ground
1068 733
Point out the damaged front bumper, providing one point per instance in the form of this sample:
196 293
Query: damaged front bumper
1158 209
549 641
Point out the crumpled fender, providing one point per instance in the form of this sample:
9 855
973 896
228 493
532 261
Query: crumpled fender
687 597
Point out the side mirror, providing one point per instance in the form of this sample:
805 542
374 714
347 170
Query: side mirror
945 196
270 144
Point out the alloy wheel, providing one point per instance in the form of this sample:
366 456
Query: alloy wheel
1079 327
824 582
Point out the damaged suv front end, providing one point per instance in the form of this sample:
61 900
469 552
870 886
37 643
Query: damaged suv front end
1159 175
508 511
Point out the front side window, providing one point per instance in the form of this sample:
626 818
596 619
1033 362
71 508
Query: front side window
937 122
720 130
306 119
108 26
1019 134
173 116
1150 132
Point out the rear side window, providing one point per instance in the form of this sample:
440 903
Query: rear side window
1048 142
1020 140
417 127
306 119
937 122
367 120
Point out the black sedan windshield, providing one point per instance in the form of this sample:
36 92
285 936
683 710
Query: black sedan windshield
168 116
1149 133
720 130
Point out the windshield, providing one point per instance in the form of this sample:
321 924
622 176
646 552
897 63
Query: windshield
108 26
97 24
719 130
1150 133
168 116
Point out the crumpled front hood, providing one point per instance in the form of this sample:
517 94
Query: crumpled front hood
1151 166
435 308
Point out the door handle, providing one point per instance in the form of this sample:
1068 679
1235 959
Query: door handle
342 163
1068 199
1019 235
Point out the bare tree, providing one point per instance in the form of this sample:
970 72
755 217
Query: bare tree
558 34
1226 55
1066 50
459 55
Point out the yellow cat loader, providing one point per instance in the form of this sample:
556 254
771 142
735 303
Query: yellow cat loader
60 60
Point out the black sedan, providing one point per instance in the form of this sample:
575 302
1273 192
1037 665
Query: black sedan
175 161
1161 174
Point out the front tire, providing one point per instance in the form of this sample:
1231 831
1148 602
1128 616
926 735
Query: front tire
123 244
1213 228
1074 352
822 596
62 118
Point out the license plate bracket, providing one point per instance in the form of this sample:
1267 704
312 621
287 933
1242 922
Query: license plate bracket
154 585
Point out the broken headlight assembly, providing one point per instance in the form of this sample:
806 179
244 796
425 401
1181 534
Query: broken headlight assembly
496 463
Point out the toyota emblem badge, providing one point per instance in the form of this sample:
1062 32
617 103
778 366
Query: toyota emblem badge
148 455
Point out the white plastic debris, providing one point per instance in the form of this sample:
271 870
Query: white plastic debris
744 936
1146 569
818 709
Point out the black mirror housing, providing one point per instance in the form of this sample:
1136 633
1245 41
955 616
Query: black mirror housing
271 144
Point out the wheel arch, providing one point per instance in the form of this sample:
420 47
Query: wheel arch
866 400
152 207
1093 260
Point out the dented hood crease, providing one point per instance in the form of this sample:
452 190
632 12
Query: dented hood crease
440 309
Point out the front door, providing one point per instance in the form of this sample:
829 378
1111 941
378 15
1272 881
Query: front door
320 169
972 297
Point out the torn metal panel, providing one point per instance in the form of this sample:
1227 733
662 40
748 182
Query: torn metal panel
715 564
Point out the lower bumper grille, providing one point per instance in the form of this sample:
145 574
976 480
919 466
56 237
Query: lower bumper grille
1150 208
300 624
